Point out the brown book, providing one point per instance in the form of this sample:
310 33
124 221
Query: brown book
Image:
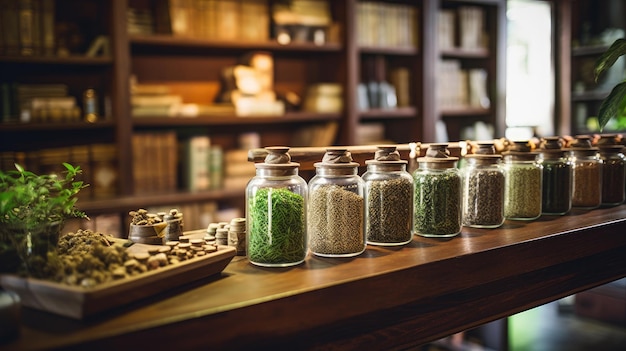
10 30
228 19
26 20
105 176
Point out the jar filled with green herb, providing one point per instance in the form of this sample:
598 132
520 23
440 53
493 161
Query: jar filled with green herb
276 205
388 199
587 173
483 188
613 172
336 206
556 195
523 176
437 194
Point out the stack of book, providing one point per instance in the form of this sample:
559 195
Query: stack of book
386 24
139 21
153 100
27 27
303 21
201 164
155 161
38 103
246 20
98 163
461 88
462 27
471 27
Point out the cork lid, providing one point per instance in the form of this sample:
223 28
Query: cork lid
486 152
438 156
609 143
551 147
386 154
277 158
582 145
520 150
336 157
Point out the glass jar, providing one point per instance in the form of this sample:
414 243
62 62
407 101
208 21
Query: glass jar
388 199
587 173
522 182
613 173
437 194
276 205
556 195
483 188
336 206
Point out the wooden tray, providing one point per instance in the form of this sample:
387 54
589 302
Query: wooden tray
78 303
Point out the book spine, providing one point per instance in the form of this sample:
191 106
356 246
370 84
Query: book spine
26 18
10 28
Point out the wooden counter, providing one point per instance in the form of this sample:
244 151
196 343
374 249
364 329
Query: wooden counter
386 298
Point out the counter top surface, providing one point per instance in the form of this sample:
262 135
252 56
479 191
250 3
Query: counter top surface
385 298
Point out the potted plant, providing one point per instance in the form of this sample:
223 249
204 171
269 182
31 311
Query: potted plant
615 103
33 210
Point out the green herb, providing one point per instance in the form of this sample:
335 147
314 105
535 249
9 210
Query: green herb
277 227
522 192
33 209
437 204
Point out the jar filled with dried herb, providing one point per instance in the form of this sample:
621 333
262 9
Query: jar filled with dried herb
556 195
388 199
336 206
522 182
613 172
276 204
437 194
483 188
587 173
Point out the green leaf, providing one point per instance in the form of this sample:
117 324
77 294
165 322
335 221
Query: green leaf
608 58
613 105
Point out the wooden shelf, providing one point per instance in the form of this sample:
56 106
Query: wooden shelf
385 298
384 50
58 60
396 113
464 53
26 127
593 50
464 111
180 42
294 117
590 96
124 204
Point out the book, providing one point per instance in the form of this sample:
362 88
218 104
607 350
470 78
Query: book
104 171
446 29
10 28
195 160
47 27
26 20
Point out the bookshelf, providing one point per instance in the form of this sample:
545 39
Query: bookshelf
583 32
471 50
141 45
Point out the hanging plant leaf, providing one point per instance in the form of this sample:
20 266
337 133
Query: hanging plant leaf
608 58
612 105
